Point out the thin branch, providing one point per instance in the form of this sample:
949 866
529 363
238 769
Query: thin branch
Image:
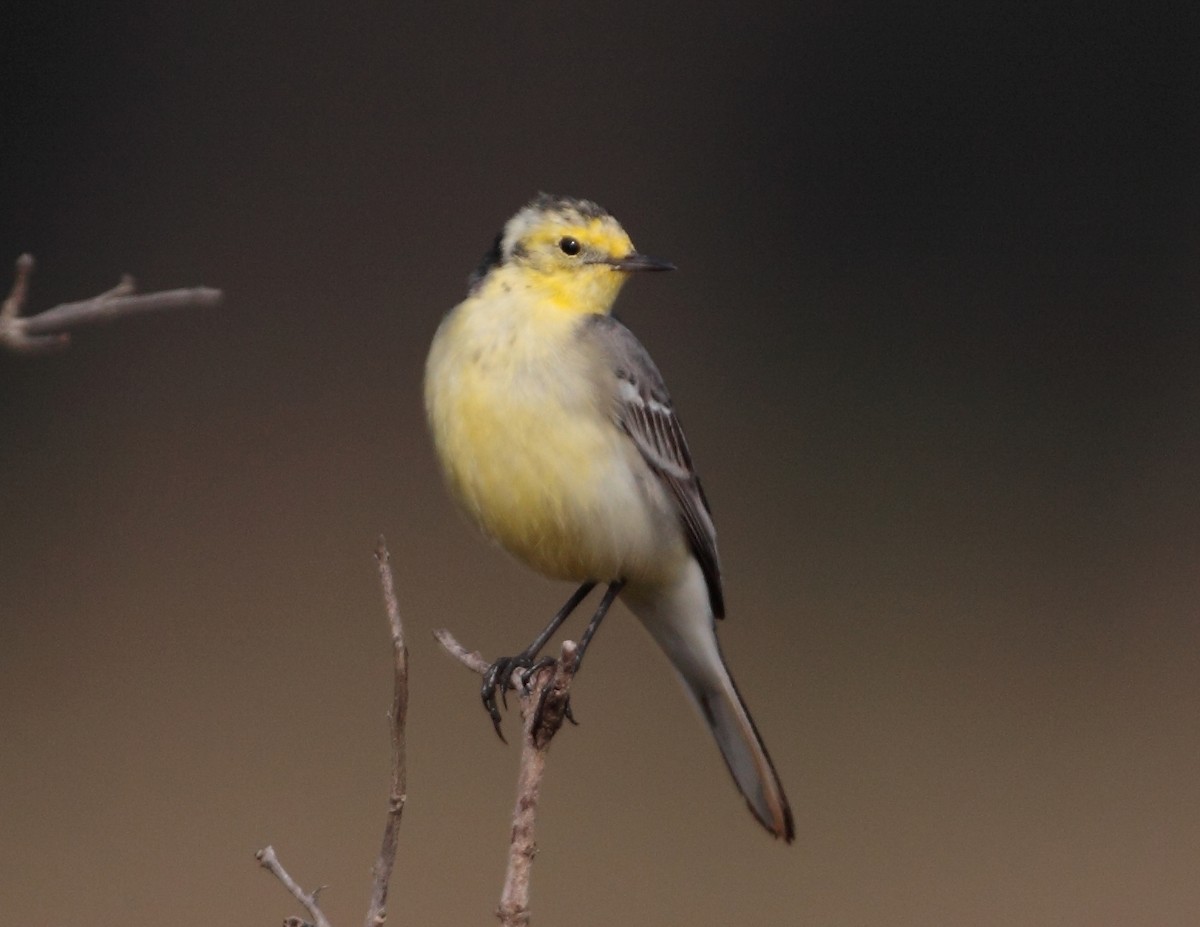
268 860
472 660
386 861
544 707
49 330
382 870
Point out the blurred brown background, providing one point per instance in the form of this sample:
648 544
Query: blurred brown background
934 338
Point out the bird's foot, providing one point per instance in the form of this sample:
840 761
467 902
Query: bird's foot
539 718
499 677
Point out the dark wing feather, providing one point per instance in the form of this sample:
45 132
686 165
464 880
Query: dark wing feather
643 409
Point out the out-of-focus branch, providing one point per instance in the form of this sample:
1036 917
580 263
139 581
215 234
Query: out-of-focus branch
49 330
544 707
381 872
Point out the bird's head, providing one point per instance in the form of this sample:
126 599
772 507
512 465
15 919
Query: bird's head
572 251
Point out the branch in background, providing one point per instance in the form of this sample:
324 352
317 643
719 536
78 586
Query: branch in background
544 707
382 870
49 330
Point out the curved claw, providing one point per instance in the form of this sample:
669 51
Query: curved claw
499 678
492 680
532 669
567 713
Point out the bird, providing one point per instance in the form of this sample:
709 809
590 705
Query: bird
557 436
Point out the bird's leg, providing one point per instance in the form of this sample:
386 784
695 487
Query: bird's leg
610 596
499 674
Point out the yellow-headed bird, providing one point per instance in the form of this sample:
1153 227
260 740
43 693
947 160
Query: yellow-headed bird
557 436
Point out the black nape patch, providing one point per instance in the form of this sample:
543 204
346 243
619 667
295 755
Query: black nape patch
490 260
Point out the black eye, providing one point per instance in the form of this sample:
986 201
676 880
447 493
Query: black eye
569 245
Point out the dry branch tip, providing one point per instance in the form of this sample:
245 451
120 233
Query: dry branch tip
268 860
48 330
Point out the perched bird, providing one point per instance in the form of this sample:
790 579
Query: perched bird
558 438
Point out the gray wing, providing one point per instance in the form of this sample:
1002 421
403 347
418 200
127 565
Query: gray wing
643 410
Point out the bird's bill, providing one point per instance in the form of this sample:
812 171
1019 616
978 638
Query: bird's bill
634 261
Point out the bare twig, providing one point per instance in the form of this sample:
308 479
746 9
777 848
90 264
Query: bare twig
384 864
20 290
267 859
543 708
49 330
382 871
472 660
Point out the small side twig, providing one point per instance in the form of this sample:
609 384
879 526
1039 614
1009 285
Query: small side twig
49 330
544 707
472 660
268 860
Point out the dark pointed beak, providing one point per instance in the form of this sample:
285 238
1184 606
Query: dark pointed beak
634 261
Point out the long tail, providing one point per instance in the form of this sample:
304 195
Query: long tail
681 621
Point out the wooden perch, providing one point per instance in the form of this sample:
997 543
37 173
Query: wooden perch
544 707
50 330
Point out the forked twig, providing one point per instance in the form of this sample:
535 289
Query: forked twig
49 330
268 860
381 872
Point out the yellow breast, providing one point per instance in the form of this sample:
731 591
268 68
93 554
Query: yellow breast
521 413
517 431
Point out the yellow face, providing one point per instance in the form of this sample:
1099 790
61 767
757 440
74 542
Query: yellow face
572 252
